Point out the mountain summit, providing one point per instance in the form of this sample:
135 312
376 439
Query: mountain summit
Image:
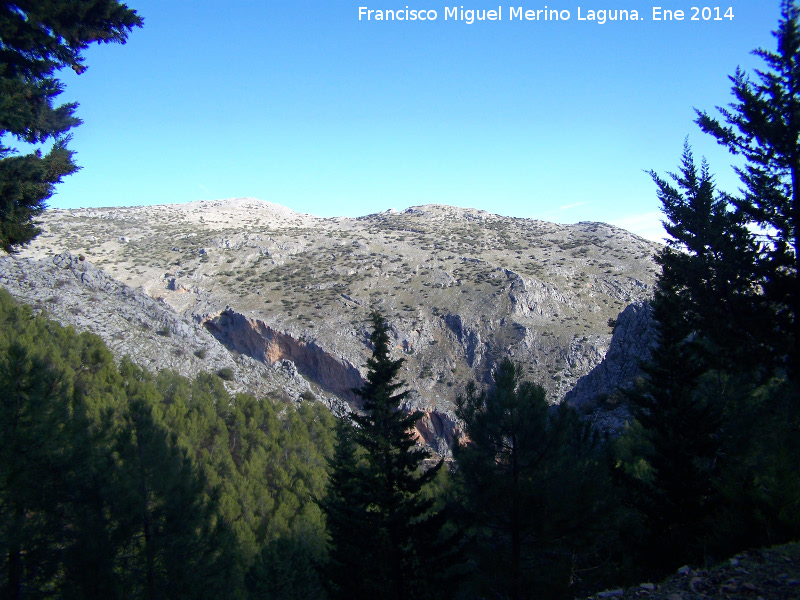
461 288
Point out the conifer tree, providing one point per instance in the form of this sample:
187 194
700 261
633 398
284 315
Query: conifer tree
348 520
176 545
378 521
721 387
118 484
710 318
34 427
762 125
38 38
683 424
47 458
532 487
708 282
709 387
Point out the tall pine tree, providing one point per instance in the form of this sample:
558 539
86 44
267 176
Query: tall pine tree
719 404
37 38
763 126
382 530
708 282
532 488
711 388
53 520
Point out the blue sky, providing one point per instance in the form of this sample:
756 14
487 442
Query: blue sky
302 104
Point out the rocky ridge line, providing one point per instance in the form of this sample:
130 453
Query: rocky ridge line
75 293
461 289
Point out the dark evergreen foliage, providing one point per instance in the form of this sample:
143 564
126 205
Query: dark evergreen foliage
169 520
762 126
709 280
534 487
38 38
721 387
286 569
383 534
345 505
118 484
704 292
50 467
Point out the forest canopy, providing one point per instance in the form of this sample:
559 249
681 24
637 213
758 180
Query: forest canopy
120 483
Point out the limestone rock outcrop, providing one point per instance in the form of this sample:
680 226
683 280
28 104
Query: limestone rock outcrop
597 393
282 298
74 292
632 341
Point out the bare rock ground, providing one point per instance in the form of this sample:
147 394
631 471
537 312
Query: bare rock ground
282 298
74 292
767 574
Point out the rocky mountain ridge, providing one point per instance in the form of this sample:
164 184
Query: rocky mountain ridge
286 295
131 323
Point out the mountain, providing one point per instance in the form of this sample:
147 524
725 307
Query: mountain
277 301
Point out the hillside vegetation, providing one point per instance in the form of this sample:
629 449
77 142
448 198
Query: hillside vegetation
461 288
115 482
121 482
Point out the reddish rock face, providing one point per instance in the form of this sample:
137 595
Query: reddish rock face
253 337
256 339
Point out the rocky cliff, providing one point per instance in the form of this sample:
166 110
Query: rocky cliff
74 292
598 392
281 298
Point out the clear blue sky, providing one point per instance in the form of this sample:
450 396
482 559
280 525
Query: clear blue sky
300 103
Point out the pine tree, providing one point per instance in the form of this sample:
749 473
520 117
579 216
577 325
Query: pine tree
118 484
175 545
683 425
762 125
378 521
33 423
710 317
708 283
533 486
721 387
349 523
55 524
47 458
37 38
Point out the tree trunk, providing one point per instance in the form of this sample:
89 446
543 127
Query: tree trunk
516 538
15 557
147 526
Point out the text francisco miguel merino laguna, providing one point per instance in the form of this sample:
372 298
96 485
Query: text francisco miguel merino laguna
469 16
